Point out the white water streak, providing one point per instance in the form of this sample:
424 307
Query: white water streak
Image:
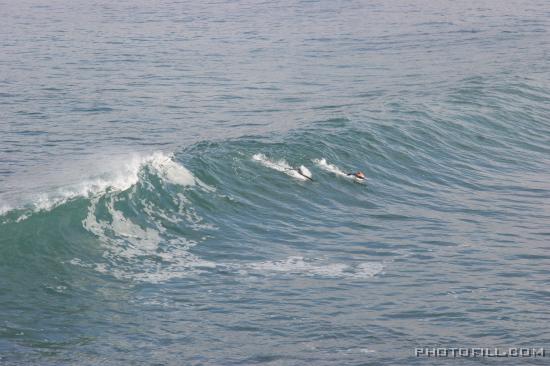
331 168
298 265
281 166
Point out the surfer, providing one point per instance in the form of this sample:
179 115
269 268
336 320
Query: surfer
358 175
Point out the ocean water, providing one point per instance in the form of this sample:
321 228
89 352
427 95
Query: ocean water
150 213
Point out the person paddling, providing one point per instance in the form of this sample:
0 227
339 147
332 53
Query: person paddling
359 175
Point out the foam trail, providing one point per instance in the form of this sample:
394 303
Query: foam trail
299 265
280 166
331 168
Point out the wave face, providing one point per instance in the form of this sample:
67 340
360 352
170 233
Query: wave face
165 233
152 210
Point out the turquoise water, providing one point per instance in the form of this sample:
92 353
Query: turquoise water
150 216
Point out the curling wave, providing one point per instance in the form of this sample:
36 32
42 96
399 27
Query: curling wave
120 178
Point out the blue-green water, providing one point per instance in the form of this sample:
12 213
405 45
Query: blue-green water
148 216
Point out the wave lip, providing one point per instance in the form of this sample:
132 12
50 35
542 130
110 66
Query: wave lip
4 209
120 177
171 171
145 247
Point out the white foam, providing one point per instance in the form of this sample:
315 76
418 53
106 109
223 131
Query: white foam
122 174
144 251
298 265
141 253
305 171
170 170
280 166
366 350
331 168
368 269
4 209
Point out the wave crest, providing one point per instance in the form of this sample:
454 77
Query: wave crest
120 177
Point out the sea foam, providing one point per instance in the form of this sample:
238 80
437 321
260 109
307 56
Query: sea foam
300 265
121 174
280 166
331 168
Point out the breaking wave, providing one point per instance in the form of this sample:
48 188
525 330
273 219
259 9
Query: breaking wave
120 178
144 220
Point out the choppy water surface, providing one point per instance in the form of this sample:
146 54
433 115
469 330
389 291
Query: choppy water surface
149 213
